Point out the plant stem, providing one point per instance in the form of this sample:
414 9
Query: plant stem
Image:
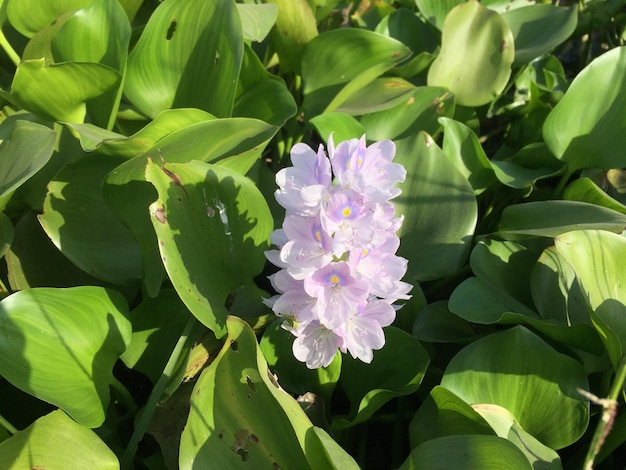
609 406
142 424
15 58
8 426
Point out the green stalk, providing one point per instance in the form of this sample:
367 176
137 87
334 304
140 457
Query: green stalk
170 368
15 58
6 425
609 406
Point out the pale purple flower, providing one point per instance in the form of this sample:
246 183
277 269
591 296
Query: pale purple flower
339 272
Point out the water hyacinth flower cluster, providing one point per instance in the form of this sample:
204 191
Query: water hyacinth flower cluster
339 273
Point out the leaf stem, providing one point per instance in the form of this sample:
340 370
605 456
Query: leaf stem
185 340
15 58
8 426
609 406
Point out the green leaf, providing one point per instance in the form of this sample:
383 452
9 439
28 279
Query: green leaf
586 128
596 257
436 324
24 153
469 452
82 226
342 126
56 441
585 190
408 28
187 43
93 138
213 227
248 420
436 11
382 93
538 385
157 325
537 29
60 345
397 369
552 218
31 16
417 112
59 92
98 33
276 345
257 20
295 27
506 426
262 95
357 55
439 209
444 414
126 191
6 233
476 55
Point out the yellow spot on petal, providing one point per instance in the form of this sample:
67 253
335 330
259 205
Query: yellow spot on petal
346 211
334 279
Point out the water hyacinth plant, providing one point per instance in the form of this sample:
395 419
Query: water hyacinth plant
312 234
340 275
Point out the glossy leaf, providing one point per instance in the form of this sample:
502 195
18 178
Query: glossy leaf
184 44
596 258
362 57
476 55
469 452
213 227
416 112
538 29
538 385
436 324
552 218
30 16
342 126
585 129
380 94
439 211
59 92
408 28
24 153
257 20
225 429
295 28
93 138
55 441
60 345
397 369
436 11
444 414
585 190
82 226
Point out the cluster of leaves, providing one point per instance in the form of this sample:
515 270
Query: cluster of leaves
139 146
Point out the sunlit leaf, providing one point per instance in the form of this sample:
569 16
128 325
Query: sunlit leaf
476 55
30 16
257 20
60 345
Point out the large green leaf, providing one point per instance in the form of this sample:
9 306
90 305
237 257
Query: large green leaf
129 195
436 11
476 55
538 29
6 233
98 33
188 55
586 128
22 155
596 257
340 125
82 226
538 385
552 218
31 16
469 452
439 209
294 28
249 420
257 20
213 227
585 190
60 345
55 441
357 56
59 92
417 112
397 369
